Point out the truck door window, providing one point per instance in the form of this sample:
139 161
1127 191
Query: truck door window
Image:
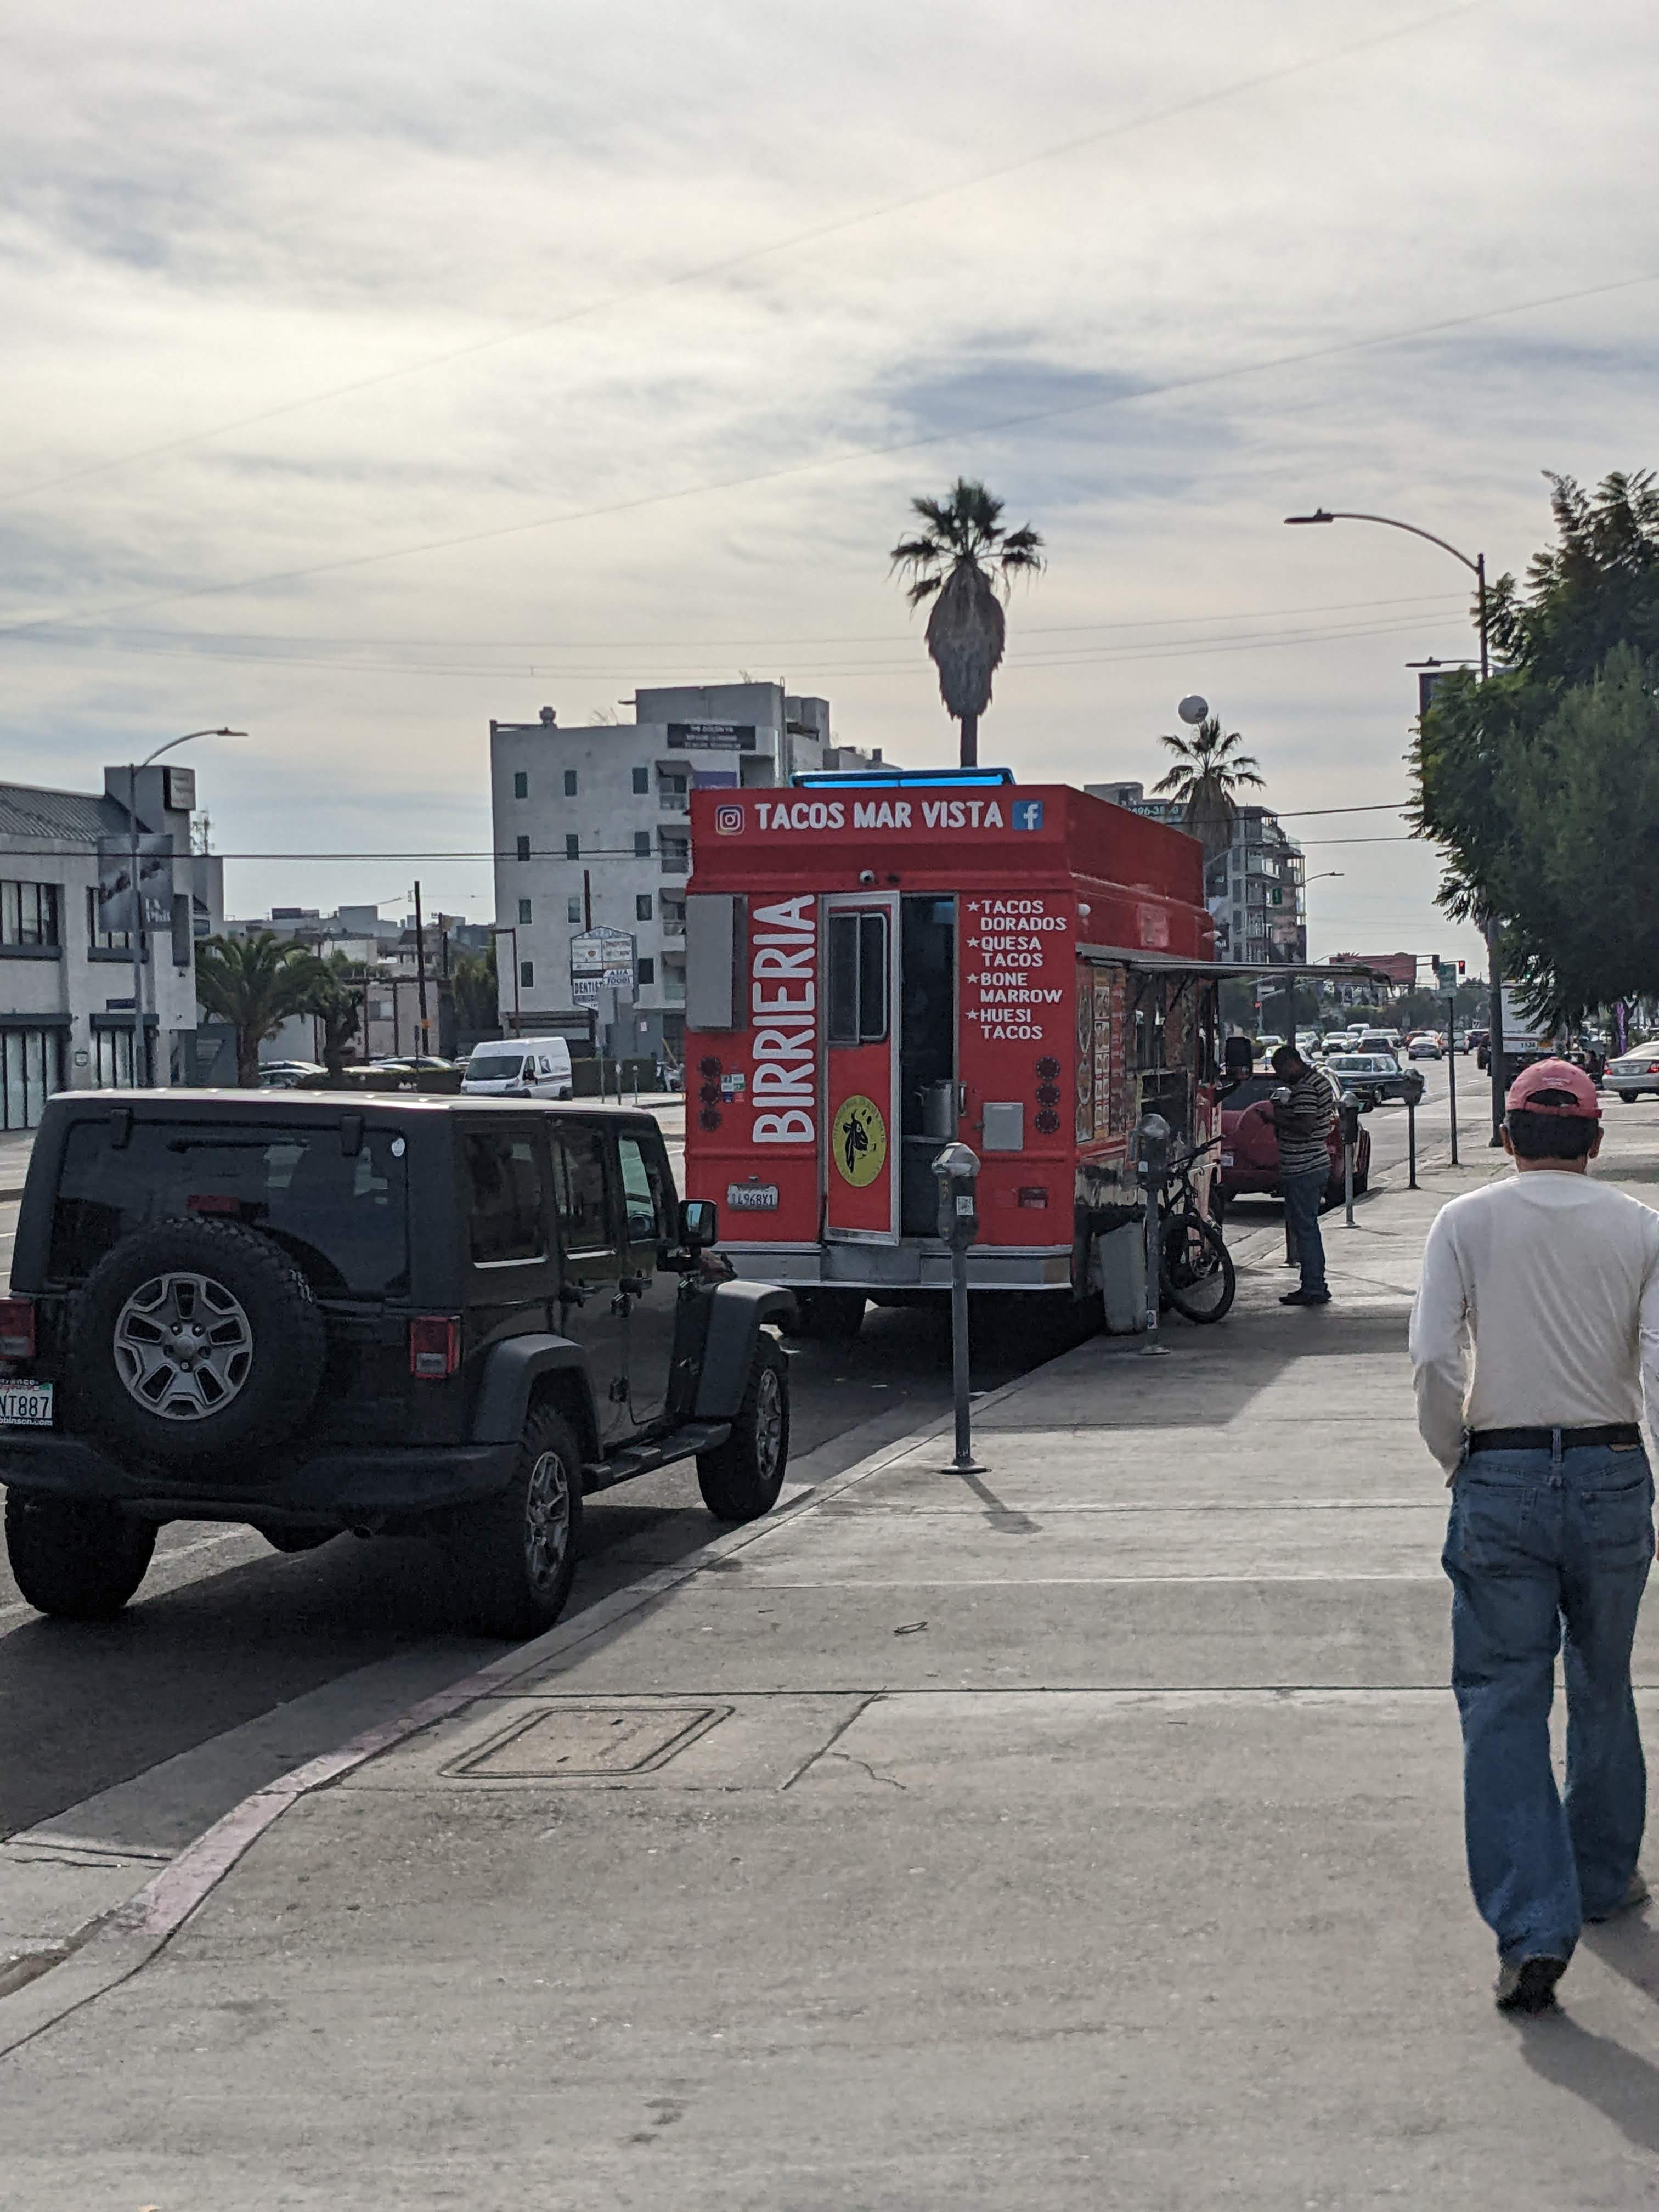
858 978
506 1214
579 1190
645 1202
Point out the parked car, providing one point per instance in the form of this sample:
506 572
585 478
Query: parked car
284 1074
1633 1073
1476 1040
1250 1145
1427 1045
521 1067
393 1314
1374 1075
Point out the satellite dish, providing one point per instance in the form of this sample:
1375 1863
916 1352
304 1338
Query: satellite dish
1193 709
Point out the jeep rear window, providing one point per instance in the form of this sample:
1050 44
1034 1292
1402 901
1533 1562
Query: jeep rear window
342 1220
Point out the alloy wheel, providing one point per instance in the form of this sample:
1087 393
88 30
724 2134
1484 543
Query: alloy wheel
183 1346
769 1423
546 1520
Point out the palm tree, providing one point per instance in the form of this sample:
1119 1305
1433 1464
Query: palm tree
477 1000
336 1000
255 983
1210 771
969 559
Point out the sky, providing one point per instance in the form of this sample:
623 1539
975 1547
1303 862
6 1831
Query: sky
375 371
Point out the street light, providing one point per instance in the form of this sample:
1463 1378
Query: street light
1476 564
136 938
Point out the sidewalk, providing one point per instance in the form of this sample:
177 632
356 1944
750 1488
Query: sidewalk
1082 1833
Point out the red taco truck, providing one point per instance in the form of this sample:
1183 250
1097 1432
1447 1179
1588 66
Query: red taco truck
882 963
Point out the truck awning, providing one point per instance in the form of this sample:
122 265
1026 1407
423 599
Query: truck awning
1175 963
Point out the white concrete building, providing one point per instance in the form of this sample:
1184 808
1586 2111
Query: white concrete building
590 830
66 1012
1253 892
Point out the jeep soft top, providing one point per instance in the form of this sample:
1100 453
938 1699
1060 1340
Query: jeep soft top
315 1311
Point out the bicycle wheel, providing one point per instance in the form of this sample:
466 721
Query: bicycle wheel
1198 1275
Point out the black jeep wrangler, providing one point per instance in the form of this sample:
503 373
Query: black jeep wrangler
445 1316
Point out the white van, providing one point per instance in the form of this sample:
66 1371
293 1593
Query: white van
520 1067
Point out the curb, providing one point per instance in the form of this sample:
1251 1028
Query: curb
112 1947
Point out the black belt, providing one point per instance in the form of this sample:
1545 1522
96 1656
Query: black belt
1616 1432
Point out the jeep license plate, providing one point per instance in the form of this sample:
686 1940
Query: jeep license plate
752 1197
26 1405
1226 1159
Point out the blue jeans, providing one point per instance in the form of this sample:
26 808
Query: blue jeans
1548 1549
1301 1195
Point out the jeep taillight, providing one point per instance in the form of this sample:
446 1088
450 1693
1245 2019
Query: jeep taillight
434 1347
16 1328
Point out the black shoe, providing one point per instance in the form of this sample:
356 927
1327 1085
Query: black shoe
1305 1298
1529 1986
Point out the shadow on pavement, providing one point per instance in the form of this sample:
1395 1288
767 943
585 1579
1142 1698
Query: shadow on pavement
1618 2083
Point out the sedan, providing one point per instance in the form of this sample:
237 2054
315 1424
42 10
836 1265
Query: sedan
1374 1075
1633 1073
1425 1045
1250 1145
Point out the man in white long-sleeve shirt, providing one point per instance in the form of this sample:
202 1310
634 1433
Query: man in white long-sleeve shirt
1535 1341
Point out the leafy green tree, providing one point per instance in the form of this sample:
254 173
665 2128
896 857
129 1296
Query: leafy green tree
965 561
1209 773
477 1002
336 1000
1543 783
254 983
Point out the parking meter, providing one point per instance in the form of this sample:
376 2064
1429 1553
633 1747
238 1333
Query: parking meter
958 1171
1149 1147
1347 1113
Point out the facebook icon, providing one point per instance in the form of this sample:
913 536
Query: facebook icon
1028 814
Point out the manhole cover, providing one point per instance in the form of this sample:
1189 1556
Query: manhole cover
580 1743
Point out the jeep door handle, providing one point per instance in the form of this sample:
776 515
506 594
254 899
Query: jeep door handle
635 1285
576 1294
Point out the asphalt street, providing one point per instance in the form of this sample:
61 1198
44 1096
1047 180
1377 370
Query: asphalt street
234 1662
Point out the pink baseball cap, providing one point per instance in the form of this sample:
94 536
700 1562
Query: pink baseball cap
1579 1102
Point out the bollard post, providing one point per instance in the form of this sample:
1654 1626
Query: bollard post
957 1170
1411 1141
1152 1149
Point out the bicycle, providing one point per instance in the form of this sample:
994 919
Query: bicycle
1195 1271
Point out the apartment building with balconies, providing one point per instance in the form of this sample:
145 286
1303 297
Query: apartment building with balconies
592 831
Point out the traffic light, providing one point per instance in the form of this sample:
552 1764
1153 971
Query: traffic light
1459 967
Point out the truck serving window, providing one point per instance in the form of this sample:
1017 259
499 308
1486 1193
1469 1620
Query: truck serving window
342 1219
858 978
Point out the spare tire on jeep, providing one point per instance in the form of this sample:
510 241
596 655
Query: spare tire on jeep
191 1341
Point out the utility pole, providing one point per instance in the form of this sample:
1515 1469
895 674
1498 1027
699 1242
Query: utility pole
425 1046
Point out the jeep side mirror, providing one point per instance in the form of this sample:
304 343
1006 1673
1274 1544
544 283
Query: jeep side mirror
700 1223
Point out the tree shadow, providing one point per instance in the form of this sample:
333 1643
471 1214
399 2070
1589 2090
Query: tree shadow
1621 2086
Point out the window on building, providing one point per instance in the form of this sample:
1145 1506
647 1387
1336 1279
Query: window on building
641 844
105 940
647 971
520 784
526 975
524 849
641 782
505 1217
31 1067
524 910
570 783
28 913
573 845
642 907
572 910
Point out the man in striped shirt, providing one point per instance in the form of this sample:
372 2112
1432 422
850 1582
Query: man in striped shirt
1304 1107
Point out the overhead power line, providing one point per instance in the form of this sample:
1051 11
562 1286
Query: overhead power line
726 263
1201 380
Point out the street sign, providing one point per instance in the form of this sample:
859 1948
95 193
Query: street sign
601 956
1446 976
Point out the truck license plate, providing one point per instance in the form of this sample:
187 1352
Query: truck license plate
752 1197
26 1405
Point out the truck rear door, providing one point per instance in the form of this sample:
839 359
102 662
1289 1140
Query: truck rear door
862 1151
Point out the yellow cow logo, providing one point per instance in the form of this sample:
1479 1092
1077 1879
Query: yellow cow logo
859 1140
